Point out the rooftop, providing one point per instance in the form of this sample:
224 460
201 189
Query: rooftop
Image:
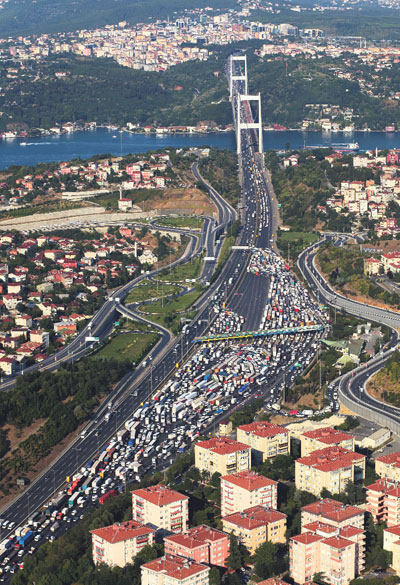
222 445
337 542
391 459
254 517
263 428
197 536
330 458
122 531
175 567
328 435
332 510
160 495
249 480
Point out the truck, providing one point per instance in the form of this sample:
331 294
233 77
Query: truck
72 499
26 538
54 527
110 494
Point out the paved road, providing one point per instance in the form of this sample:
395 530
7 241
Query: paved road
352 386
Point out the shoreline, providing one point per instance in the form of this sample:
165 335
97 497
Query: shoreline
155 131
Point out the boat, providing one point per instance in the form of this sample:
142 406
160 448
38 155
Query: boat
346 147
22 143
114 136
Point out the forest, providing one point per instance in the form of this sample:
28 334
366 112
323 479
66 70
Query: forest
64 399
184 95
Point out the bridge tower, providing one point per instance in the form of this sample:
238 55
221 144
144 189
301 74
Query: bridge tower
245 125
241 77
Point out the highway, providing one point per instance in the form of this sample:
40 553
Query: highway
352 386
234 287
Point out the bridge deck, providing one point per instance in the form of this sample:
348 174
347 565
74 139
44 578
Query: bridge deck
261 333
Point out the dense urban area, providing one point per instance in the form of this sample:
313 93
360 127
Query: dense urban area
199 347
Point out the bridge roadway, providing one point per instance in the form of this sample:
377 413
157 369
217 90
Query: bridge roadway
260 333
352 386
138 385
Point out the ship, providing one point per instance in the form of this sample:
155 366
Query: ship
390 128
346 147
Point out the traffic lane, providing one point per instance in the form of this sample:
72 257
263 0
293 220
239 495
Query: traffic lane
249 300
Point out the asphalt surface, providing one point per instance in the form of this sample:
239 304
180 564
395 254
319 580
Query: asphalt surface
353 384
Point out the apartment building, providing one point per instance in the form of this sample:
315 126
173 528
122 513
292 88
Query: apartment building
356 535
383 501
255 526
265 439
170 570
223 455
390 536
311 553
246 489
117 545
388 466
201 544
329 468
321 438
396 557
333 513
161 508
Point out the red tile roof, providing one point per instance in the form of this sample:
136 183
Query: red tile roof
254 517
306 538
394 530
175 567
222 445
196 537
337 542
122 531
249 480
330 458
332 510
328 435
160 495
381 485
263 428
391 459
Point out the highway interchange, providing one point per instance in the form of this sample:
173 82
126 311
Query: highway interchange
235 289
352 386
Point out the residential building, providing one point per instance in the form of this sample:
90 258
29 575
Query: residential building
311 553
117 545
223 455
396 557
256 525
169 570
333 513
201 544
162 508
329 468
325 437
383 501
245 489
265 439
388 466
390 536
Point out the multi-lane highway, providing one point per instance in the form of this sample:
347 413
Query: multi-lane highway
235 286
352 386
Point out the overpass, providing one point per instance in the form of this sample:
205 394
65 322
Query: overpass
261 333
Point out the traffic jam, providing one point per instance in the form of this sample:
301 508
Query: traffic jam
217 378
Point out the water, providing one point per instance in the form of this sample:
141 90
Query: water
86 144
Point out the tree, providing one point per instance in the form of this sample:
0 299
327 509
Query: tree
214 576
234 559
266 560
